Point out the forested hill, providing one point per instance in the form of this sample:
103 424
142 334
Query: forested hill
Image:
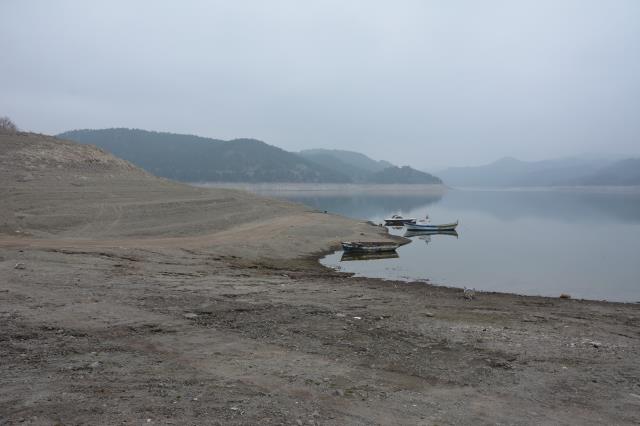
362 169
352 158
191 158
405 175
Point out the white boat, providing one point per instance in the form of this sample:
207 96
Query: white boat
426 226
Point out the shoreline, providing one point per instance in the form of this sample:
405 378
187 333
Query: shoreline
458 289
351 348
631 189
140 300
328 188
429 282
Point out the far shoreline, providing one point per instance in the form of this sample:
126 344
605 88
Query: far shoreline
630 189
400 188
328 188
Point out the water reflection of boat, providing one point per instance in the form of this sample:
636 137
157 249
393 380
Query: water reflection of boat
425 226
351 255
428 232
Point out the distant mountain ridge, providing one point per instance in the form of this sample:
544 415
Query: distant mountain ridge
191 158
362 169
621 173
336 164
355 159
509 171
405 175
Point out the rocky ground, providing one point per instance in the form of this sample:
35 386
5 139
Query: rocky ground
126 299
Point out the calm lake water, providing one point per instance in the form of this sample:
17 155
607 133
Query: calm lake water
538 242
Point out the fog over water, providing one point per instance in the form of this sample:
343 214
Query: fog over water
442 83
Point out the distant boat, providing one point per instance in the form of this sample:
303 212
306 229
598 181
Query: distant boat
369 247
397 220
425 226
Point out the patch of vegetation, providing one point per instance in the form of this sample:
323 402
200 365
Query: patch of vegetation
403 174
7 126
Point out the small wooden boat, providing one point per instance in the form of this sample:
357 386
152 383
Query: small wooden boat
426 226
397 220
369 247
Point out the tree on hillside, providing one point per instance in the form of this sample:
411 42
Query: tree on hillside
7 126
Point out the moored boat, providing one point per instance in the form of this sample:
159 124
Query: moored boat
369 246
425 226
397 220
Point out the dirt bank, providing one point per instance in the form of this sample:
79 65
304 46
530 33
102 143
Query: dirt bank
125 298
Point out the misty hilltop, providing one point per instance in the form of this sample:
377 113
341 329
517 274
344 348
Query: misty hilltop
362 169
190 158
512 172
353 164
620 173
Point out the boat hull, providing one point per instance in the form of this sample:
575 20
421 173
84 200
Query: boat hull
398 222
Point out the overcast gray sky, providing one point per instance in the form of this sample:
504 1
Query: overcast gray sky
425 83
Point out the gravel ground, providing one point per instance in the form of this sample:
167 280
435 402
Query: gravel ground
128 299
